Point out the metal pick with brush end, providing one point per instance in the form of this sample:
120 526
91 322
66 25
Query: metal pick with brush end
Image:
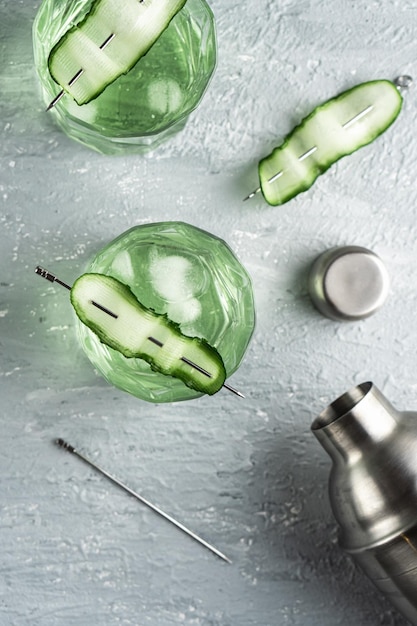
79 73
66 446
54 279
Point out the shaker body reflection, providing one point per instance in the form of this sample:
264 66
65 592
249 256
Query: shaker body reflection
373 488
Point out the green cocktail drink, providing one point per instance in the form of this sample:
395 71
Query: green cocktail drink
191 276
148 104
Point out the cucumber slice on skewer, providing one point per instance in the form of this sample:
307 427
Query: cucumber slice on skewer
110 309
108 42
333 130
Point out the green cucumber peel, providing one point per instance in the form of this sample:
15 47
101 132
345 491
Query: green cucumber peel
135 27
130 325
333 130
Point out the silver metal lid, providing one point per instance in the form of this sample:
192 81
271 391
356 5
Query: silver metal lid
348 283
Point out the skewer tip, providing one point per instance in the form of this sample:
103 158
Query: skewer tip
233 390
55 100
252 194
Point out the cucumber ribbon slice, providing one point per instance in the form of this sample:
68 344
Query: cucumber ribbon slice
333 130
111 310
108 42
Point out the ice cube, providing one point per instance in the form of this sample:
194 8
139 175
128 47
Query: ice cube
164 96
185 311
170 277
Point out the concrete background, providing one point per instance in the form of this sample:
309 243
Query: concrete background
246 474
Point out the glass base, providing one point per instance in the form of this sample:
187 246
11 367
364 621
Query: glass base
150 103
195 279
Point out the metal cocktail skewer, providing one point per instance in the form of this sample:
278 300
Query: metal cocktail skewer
403 83
53 279
312 150
79 73
69 448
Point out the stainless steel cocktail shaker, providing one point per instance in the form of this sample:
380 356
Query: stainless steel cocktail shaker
373 488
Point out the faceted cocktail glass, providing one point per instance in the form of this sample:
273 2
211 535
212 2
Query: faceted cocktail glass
193 277
148 104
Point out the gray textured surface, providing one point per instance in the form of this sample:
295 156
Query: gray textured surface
248 475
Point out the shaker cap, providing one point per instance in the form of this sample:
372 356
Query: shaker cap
348 283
